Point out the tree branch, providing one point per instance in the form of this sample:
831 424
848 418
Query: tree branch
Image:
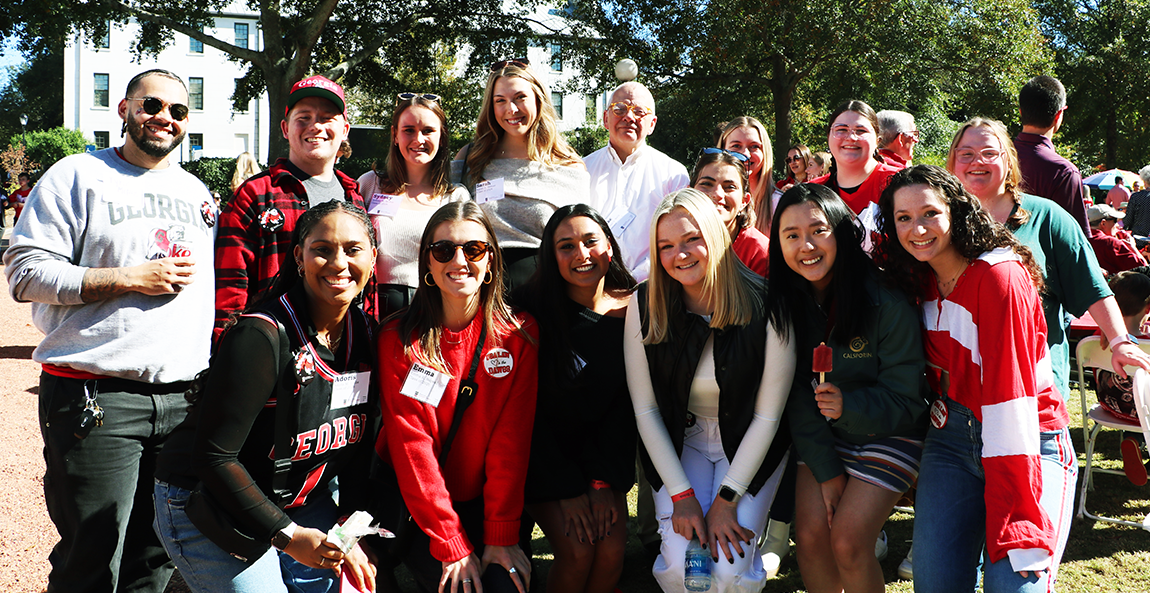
252 56
309 37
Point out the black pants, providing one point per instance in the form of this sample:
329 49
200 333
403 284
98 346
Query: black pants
427 570
783 507
99 489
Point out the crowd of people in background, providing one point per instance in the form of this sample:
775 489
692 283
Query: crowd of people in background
468 341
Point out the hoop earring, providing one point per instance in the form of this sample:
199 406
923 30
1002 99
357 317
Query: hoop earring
299 270
487 277
428 280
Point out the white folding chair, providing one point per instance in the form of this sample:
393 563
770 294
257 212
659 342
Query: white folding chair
1090 354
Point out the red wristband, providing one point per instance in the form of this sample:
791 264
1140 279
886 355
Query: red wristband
599 485
688 493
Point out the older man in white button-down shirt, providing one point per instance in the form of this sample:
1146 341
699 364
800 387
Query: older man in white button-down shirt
629 178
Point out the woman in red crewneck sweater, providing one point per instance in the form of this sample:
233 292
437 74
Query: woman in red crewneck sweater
468 506
858 174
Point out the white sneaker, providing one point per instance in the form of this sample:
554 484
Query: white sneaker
775 546
906 568
880 547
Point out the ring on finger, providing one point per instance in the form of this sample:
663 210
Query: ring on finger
512 570
466 581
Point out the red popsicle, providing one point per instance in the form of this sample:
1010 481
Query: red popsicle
823 361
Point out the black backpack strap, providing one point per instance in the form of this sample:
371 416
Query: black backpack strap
468 389
286 421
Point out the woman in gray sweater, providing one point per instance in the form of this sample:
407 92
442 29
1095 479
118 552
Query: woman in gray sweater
519 169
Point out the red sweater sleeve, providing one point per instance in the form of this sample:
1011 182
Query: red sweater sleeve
1012 346
510 446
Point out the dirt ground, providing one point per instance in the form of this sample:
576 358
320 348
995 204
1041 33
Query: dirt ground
27 533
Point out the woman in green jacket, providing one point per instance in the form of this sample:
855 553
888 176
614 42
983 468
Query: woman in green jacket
858 431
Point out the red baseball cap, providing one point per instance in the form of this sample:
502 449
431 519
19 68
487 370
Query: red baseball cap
316 86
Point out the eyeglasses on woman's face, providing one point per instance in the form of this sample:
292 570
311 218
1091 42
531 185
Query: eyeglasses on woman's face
967 156
425 96
444 251
742 158
842 131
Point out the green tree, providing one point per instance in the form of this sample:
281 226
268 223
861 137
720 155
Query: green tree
36 89
795 60
461 95
1102 50
45 147
299 38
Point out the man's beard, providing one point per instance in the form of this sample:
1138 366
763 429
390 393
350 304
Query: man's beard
152 147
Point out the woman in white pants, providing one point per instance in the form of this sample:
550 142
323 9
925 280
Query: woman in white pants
697 343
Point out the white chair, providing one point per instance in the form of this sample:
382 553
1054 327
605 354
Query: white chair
1090 354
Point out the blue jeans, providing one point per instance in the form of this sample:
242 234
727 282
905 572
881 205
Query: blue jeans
950 510
207 568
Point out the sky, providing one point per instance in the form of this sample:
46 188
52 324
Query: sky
8 57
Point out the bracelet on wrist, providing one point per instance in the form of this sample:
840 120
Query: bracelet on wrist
688 493
599 485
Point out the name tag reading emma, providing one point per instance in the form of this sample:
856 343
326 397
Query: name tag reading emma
350 389
384 204
425 384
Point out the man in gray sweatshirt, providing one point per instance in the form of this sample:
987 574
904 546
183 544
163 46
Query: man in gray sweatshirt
115 252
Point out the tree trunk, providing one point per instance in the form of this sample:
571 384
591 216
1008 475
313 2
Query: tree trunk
278 89
782 96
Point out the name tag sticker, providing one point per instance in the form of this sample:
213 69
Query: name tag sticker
425 384
489 191
384 204
620 220
350 389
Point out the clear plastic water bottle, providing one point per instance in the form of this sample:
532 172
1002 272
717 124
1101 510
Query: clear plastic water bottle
697 573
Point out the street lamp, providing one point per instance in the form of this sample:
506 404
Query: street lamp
23 130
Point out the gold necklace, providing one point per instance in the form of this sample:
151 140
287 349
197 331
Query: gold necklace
332 345
942 286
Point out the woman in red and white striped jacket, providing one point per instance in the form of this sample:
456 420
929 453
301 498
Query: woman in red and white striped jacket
998 471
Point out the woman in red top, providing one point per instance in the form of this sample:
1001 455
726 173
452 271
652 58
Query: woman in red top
468 503
722 176
996 483
858 174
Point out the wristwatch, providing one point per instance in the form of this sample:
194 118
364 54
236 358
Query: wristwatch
1126 339
728 494
282 538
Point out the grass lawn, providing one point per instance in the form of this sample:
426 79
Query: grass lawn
1099 556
